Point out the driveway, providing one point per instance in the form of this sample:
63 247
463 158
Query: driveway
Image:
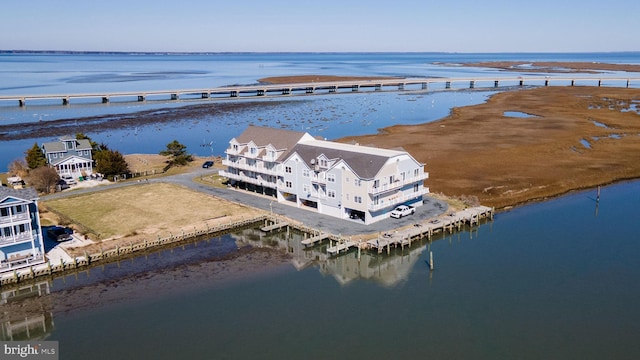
432 207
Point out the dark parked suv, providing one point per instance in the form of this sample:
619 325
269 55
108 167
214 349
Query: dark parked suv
207 164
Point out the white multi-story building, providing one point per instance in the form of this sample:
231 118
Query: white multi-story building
341 180
21 242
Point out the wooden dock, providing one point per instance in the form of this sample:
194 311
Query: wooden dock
274 226
315 239
342 246
446 223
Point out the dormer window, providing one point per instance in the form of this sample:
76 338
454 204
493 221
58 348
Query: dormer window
70 145
253 151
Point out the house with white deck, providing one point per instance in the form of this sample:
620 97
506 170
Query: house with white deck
69 156
346 181
21 241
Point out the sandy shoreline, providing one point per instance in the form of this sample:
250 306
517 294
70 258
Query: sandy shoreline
555 67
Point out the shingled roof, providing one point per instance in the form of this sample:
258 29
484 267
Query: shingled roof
364 161
57 146
25 194
281 139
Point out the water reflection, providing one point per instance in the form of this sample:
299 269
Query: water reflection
25 313
385 269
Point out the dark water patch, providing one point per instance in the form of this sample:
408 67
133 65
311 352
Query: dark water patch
94 124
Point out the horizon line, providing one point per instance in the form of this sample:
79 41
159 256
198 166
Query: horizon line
27 51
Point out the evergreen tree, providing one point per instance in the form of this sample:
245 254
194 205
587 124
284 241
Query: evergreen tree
110 162
94 145
177 154
35 157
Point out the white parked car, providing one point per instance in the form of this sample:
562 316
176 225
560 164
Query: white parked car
402 210
68 179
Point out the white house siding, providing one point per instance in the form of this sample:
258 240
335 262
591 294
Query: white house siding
310 171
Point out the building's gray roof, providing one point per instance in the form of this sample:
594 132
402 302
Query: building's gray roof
54 146
366 164
83 144
26 193
281 139
57 146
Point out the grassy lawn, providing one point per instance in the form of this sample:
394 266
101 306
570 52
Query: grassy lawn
145 211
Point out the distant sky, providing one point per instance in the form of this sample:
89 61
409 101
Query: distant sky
321 25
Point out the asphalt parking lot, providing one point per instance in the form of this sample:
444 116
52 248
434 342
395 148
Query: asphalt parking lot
432 207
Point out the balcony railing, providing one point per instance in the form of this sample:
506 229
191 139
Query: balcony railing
20 262
397 184
388 203
14 218
255 168
319 179
232 151
248 179
15 239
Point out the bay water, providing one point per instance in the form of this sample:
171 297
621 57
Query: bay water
208 131
551 280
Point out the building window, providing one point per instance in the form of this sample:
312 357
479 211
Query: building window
235 147
253 151
416 172
20 209
7 231
287 169
4 212
376 200
415 187
305 172
331 193
331 178
357 199
358 182
55 155
376 184
347 196
323 163
305 188
288 184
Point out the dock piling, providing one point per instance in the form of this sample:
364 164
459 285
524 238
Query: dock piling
431 260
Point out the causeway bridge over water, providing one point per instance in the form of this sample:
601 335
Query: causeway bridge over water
310 88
